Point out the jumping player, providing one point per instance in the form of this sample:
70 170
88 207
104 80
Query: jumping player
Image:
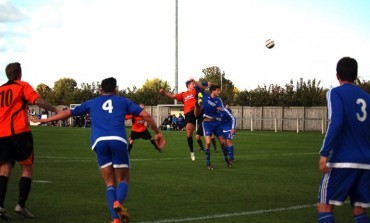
188 98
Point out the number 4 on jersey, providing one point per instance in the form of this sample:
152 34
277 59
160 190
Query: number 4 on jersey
108 106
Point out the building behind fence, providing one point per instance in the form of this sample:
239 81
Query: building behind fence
257 118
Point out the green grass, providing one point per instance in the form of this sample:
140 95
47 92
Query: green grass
275 179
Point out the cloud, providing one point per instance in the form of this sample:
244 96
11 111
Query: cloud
10 13
13 28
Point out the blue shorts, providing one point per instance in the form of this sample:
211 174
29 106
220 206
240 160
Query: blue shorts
226 131
340 183
112 152
227 134
212 127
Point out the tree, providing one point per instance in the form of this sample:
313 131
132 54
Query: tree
46 92
65 90
289 97
214 75
302 94
310 93
87 91
363 84
149 93
243 98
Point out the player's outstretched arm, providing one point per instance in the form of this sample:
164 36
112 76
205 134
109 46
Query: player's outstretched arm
61 115
167 94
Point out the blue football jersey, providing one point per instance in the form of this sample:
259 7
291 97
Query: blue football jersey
347 141
107 115
228 119
212 107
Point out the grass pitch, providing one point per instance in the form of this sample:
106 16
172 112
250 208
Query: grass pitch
275 178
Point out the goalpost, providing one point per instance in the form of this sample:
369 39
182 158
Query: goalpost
70 119
164 109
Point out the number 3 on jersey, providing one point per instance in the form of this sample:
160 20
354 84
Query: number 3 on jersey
361 117
108 106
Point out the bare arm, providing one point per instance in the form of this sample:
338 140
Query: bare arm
170 95
45 105
158 134
199 85
61 115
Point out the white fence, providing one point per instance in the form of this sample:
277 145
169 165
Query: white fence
265 118
257 118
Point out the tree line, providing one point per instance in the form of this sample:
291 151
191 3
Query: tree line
300 93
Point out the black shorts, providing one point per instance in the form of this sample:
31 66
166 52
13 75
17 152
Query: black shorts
200 129
18 148
140 135
190 117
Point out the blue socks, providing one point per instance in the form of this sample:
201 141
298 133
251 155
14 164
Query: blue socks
114 194
361 218
326 217
111 198
208 156
230 150
122 189
224 151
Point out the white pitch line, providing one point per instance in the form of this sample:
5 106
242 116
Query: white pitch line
41 181
84 159
231 214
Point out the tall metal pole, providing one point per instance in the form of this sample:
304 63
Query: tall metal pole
177 52
221 80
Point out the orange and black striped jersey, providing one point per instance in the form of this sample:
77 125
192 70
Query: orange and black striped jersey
188 98
14 97
138 123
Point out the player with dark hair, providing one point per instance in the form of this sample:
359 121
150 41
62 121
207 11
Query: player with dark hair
345 153
188 98
212 108
16 141
109 141
139 131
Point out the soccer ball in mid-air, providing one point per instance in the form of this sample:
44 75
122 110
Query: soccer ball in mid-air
270 43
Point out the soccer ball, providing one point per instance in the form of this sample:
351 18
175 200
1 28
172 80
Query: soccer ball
270 43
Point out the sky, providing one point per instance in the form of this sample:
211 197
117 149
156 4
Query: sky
134 40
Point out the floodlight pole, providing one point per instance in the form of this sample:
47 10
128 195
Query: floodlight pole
176 52
221 80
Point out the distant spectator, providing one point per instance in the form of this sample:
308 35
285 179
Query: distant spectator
165 124
32 112
174 122
87 120
181 122
169 117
